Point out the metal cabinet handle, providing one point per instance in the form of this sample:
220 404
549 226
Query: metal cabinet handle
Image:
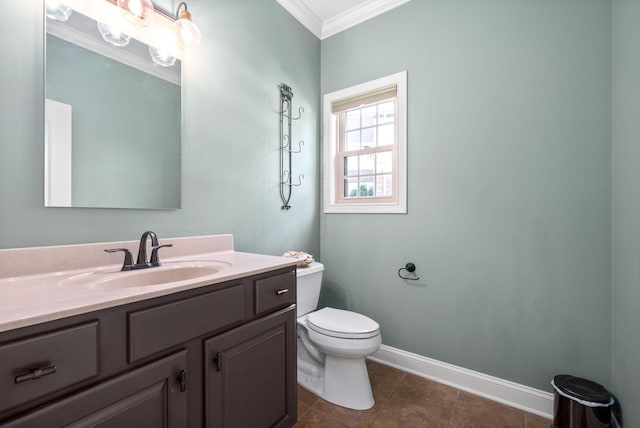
281 292
182 379
35 374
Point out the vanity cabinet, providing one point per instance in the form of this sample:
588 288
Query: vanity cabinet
222 355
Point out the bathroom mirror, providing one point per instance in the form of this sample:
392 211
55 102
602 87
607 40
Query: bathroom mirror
112 121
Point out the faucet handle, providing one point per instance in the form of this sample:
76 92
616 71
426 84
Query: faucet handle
154 253
128 258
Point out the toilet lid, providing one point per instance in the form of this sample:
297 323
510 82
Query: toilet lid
345 324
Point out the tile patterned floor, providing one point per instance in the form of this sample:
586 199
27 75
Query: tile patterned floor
404 400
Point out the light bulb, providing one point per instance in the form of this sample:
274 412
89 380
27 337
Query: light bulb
161 57
188 32
57 11
138 12
112 35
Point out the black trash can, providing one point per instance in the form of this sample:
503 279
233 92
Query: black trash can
580 403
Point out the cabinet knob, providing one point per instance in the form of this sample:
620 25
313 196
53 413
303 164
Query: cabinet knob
281 292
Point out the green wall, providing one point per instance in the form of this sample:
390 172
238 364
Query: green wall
230 158
509 220
626 209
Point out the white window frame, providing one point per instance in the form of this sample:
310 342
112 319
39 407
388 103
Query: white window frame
332 202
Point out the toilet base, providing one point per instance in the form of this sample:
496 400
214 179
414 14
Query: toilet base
341 381
346 383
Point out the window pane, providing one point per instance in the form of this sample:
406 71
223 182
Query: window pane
351 166
366 187
351 188
367 164
353 119
384 162
384 185
369 115
386 135
353 140
385 112
369 137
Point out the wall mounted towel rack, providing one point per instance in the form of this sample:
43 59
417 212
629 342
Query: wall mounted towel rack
287 149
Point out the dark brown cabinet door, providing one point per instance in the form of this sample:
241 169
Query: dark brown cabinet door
251 374
153 396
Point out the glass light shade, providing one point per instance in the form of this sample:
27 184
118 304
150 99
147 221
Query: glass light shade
160 57
138 12
188 32
57 11
112 35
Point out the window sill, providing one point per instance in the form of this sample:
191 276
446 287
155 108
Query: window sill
365 209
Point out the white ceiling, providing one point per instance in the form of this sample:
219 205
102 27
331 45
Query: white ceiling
325 18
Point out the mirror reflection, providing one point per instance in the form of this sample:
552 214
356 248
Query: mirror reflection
112 118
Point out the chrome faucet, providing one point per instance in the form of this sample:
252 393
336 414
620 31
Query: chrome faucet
142 262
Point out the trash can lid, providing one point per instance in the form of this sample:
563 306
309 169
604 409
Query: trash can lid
586 392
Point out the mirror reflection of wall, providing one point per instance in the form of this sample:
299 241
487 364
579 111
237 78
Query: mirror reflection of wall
125 129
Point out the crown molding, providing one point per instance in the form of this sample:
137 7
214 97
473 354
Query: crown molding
347 19
304 15
358 15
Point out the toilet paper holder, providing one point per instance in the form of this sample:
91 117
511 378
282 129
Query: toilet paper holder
409 267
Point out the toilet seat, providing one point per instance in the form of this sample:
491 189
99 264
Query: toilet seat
342 324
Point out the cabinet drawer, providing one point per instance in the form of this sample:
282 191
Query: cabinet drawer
39 365
149 396
275 292
155 329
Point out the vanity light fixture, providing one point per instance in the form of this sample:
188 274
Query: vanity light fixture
188 33
119 21
138 12
57 11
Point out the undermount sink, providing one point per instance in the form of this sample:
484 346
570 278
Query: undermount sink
165 274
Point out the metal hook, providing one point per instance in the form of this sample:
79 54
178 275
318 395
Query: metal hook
300 178
300 111
409 267
287 145
285 177
289 149
288 116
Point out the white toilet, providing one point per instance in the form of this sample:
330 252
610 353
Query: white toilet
332 346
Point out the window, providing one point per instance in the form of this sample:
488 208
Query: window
365 147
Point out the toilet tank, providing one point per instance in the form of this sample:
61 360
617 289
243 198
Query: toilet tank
308 289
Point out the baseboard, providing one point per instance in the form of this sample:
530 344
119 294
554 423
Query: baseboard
510 393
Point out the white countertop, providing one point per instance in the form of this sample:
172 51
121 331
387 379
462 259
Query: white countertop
61 288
